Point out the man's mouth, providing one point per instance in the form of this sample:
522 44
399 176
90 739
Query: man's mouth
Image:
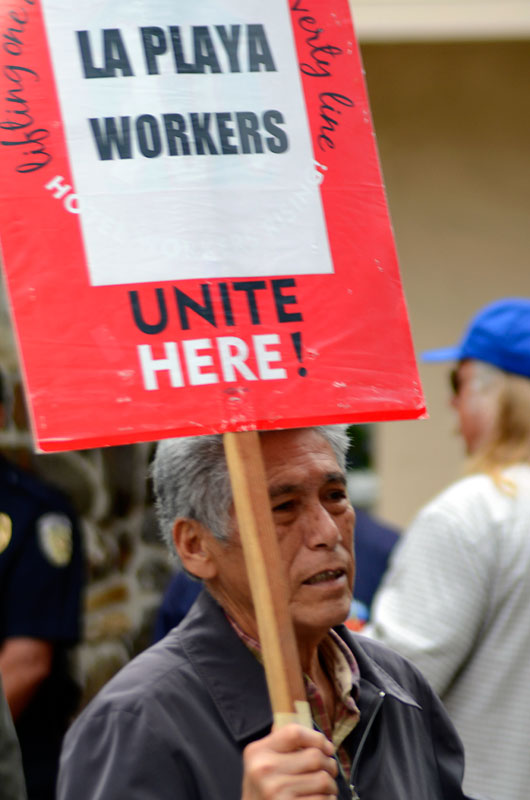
326 575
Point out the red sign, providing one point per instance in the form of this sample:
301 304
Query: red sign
194 228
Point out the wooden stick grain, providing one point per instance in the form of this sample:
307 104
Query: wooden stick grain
266 573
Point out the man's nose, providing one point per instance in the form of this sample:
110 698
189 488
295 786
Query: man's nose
321 528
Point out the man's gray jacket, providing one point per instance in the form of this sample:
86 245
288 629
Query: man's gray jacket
173 723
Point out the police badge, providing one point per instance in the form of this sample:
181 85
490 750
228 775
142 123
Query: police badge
55 538
6 529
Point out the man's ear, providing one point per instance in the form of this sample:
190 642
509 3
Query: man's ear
192 544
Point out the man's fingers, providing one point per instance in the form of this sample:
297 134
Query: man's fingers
290 762
307 761
318 784
294 737
280 786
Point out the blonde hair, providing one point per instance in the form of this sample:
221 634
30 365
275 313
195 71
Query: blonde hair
509 441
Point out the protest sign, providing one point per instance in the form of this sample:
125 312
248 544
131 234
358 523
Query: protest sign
194 228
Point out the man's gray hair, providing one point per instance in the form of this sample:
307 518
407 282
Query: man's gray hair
191 480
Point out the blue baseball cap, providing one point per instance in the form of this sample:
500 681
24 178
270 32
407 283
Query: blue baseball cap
498 334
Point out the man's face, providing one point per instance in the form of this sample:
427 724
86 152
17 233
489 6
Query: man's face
475 406
314 521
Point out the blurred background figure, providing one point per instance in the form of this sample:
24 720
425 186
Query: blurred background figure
11 777
374 541
456 598
41 576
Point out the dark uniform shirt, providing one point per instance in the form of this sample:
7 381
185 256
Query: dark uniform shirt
41 574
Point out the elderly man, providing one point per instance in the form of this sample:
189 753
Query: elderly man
190 718
457 596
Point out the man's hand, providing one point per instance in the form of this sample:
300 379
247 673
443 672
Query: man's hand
290 762
24 664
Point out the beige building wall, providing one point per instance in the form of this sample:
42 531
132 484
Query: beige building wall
453 127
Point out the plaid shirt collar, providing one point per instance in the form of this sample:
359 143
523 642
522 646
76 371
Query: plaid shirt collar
344 674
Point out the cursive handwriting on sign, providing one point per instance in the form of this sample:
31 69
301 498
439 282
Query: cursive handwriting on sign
319 64
18 125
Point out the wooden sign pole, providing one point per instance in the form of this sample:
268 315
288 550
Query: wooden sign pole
267 579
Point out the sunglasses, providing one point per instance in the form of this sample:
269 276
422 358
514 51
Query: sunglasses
455 381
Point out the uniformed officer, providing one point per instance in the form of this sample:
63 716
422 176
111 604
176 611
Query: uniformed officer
41 572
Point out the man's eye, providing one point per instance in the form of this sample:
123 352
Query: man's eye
288 505
336 495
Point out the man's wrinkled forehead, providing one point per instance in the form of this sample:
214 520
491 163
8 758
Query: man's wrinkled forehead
294 458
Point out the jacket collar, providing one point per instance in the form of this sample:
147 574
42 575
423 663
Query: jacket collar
235 679
372 673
